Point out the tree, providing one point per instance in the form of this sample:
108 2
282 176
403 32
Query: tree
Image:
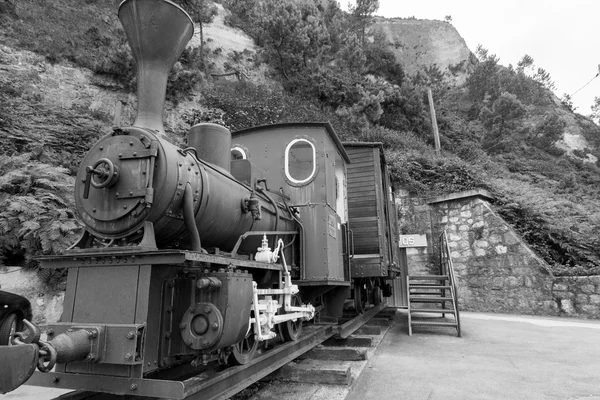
352 54
502 120
316 31
294 31
527 67
505 110
336 22
483 83
201 12
567 101
596 110
362 13
404 110
542 77
381 61
448 18
548 132
525 63
283 31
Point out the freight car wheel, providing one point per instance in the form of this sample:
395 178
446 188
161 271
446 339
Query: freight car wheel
377 296
291 330
245 350
360 298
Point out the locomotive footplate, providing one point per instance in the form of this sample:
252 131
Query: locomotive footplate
97 258
109 384
220 385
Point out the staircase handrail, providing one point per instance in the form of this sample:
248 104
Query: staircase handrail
444 253
447 262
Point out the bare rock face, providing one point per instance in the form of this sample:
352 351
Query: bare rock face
421 44
47 306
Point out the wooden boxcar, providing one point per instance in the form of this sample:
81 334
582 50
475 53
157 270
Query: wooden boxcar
373 222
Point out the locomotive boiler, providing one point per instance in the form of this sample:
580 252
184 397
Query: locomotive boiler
136 176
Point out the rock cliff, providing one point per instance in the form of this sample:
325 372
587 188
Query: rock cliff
422 44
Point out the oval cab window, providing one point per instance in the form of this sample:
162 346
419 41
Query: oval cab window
300 161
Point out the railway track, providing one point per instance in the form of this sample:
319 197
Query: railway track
207 384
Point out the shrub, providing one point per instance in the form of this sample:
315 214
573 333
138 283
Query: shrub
404 110
7 8
36 214
548 132
87 34
382 62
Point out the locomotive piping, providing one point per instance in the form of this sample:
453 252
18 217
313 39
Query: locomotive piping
302 247
189 218
261 190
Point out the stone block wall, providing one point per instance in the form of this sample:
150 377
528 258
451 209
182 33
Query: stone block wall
414 216
577 295
496 271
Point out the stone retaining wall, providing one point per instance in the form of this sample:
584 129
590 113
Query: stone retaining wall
578 295
496 271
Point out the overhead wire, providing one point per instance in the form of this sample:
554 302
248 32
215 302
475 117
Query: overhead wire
590 81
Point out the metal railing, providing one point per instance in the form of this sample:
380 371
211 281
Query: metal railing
447 268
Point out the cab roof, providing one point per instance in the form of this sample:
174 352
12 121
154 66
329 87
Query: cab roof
326 125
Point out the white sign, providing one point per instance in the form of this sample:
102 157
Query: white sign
413 241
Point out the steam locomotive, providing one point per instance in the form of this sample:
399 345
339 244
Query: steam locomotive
196 255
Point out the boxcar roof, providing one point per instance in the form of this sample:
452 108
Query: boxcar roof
367 144
328 128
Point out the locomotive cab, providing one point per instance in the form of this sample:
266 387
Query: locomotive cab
306 163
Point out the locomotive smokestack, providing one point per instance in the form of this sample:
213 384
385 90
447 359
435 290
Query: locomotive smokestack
158 31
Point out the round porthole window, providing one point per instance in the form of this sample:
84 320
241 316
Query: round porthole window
237 153
300 161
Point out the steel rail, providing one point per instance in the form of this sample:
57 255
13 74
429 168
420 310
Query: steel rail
222 384
351 326
233 380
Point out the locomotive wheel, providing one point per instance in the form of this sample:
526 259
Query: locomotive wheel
291 330
377 295
245 350
360 298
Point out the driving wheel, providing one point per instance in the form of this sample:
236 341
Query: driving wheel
291 330
245 350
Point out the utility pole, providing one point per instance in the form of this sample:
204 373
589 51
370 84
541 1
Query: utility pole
117 117
436 133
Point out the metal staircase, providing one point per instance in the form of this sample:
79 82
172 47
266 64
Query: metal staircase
435 294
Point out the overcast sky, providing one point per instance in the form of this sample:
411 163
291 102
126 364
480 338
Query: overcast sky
562 36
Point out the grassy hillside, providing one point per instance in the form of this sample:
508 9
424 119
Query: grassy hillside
499 130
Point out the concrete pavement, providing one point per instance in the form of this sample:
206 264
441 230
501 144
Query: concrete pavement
498 357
